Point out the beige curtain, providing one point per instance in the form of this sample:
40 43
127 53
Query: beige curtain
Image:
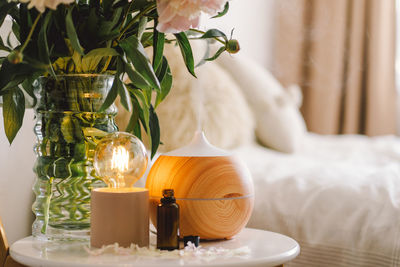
341 52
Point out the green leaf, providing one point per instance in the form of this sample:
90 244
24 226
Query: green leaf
10 72
13 112
142 100
136 54
27 84
137 130
134 126
94 3
219 52
166 85
147 39
92 23
154 131
144 114
9 39
148 94
44 52
71 33
125 98
15 82
77 59
5 8
162 69
144 111
15 14
107 4
109 29
186 51
36 64
140 4
3 47
158 48
15 29
71 130
136 78
223 12
212 33
112 95
4 92
92 59
122 91
138 95
142 27
134 119
101 52
25 21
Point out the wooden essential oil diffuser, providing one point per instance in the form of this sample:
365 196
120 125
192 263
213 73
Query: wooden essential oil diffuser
212 187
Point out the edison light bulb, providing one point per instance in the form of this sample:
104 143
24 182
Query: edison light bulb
120 159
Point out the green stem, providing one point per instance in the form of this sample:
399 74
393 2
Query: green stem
30 33
136 18
126 15
216 38
191 38
106 65
46 210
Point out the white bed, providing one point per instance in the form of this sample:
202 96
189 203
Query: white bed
338 196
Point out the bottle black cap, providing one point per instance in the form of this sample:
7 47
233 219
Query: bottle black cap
168 192
168 196
195 239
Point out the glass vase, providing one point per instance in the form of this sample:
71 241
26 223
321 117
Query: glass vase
68 126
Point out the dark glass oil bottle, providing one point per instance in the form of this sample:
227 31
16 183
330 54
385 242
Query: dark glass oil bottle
168 222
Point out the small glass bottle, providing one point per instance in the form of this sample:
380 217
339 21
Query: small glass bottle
168 222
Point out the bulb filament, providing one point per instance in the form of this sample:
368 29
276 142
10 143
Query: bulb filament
120 159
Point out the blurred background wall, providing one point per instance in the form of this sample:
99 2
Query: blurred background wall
253 21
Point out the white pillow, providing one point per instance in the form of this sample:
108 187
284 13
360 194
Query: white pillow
279 123
213 100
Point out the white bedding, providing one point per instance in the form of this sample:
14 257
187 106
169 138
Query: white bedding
339 197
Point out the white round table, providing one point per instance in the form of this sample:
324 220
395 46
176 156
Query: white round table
266 249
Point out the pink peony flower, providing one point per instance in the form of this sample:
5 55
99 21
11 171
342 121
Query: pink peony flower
180 15
41 5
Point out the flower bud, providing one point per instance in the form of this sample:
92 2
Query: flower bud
15 57
232 46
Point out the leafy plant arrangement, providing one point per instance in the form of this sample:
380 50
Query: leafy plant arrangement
102 37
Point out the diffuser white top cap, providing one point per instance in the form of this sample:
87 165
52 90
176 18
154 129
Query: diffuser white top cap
199 147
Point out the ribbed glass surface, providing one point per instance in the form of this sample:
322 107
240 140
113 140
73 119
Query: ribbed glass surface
68 127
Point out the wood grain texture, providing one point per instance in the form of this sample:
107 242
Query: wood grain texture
12 263
5 259
198 182
3 245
